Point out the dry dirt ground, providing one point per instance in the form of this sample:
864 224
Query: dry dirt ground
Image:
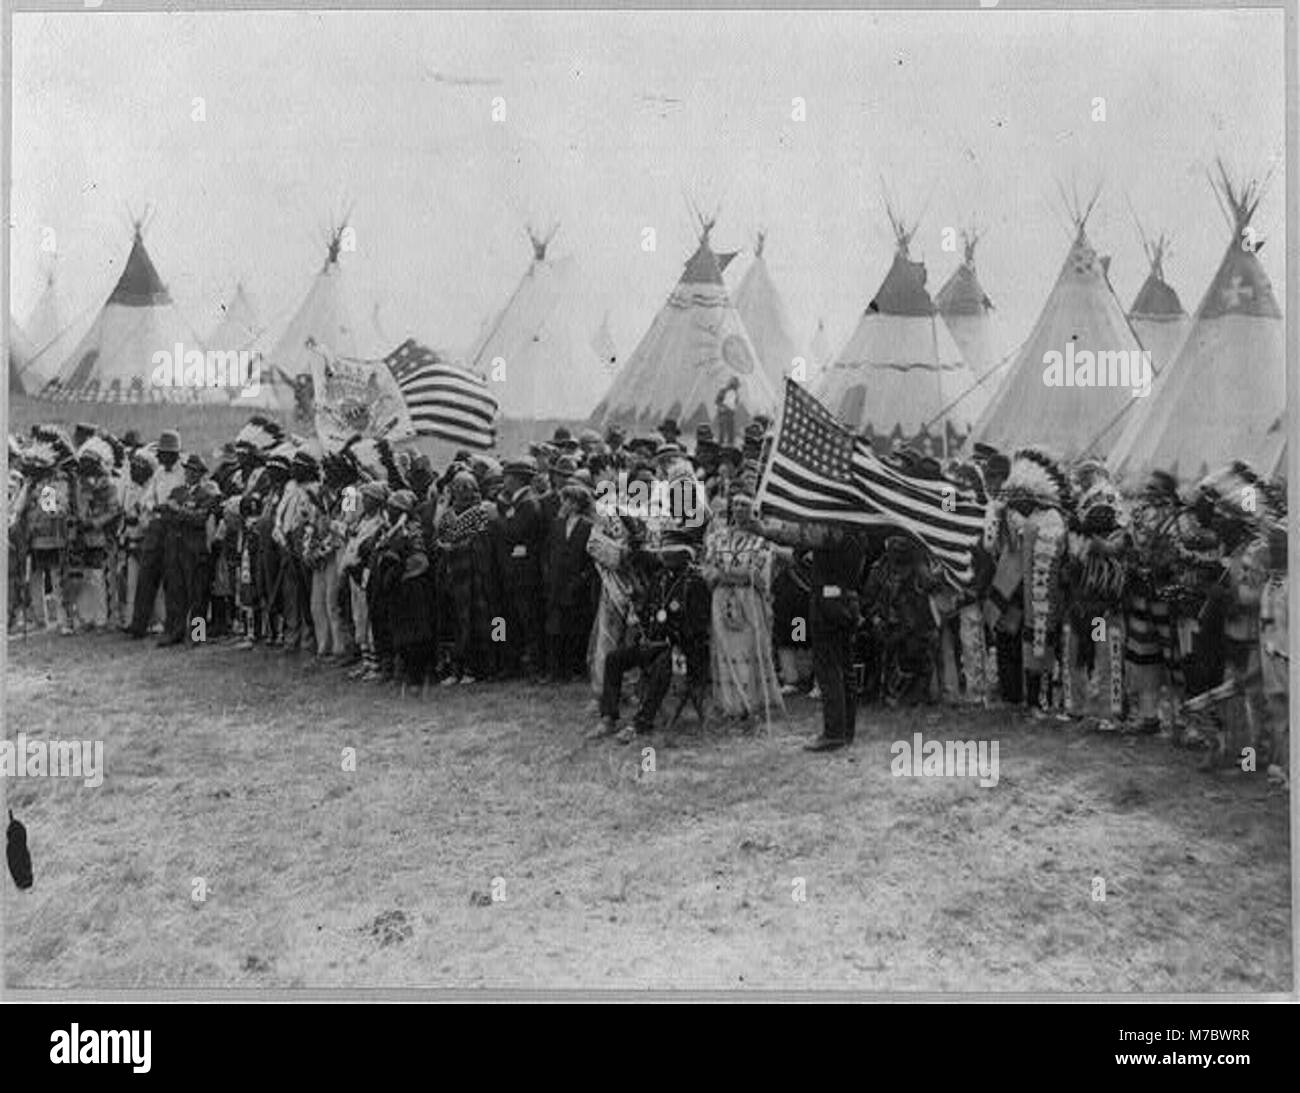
227 765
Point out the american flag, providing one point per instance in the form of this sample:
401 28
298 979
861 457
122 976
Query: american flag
445 401
820 472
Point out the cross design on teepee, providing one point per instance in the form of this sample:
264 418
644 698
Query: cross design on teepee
1237 291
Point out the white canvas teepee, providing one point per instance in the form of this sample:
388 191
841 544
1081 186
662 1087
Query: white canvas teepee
1224 396
323 318
20 355
51 337
765 318
901 378
822 355
539 353
1157 314
239 326
968 313
114 359
1081 321
695 347
45 323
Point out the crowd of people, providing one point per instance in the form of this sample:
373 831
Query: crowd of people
591 557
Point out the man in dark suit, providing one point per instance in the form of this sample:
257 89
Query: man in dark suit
838 555
570 584
520 542
562 468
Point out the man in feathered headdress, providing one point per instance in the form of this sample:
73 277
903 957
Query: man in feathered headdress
46 516
96 514
1038 502
1092 672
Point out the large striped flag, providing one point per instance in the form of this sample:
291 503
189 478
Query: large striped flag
817 471
444 400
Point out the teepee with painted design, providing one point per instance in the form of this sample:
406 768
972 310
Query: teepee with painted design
1224 396
901 378
695 346
1082 322
114 360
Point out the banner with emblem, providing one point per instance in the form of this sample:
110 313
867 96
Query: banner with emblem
356 397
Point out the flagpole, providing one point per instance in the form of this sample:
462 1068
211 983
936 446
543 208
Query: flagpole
934 337
771 450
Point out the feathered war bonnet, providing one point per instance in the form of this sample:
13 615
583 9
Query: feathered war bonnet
99 450
1036 481
260 435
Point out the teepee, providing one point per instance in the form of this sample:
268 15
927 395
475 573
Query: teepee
764 315
822 355
45 323
538 353
114 359
1157 314
695 346
20 355
968 314
50 337
1050 395
901 378
323 318
1224 396
239 326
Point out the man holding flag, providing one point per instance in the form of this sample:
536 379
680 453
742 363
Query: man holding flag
822 489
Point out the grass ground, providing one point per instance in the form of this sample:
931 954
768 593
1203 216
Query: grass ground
228 766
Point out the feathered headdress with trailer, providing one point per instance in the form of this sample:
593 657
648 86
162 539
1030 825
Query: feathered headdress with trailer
115 446
100 450
340 469
1102 509
54 441
396 478
1234 501
261 434
46 449
1036 479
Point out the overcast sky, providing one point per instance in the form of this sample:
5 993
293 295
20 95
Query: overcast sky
966 116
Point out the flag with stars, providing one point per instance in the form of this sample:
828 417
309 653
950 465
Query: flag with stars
444 400
817 471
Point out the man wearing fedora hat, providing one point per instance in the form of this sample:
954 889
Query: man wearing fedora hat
570 582
520 540
187 557
156 516
562 468
838 555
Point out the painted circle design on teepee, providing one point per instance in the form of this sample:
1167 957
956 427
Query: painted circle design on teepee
737 355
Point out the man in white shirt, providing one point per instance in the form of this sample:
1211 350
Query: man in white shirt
155 509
